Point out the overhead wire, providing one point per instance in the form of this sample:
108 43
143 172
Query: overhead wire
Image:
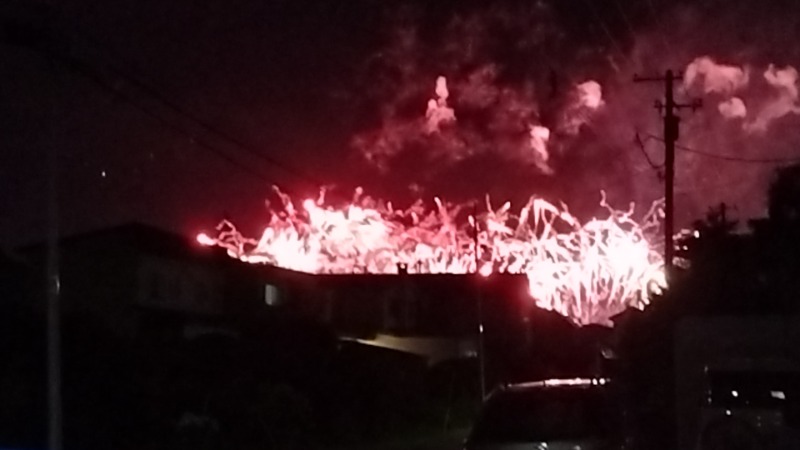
682 189
55 47
640 144
738 158
726 157
86 72
199 121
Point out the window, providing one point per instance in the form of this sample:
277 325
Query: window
271 295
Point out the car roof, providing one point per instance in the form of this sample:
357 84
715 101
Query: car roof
556 383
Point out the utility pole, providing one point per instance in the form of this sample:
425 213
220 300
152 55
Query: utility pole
55 435
671 134
54 407
42 38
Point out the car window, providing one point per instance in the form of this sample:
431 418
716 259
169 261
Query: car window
544 415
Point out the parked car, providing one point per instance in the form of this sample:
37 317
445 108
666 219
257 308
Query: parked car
750 409
568 414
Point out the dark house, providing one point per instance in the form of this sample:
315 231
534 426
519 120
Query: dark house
14 279
135 279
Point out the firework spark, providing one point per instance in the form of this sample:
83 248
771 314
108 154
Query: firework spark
588 272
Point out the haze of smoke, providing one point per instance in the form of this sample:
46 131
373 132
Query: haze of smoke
508 111
782 102
713 77
498 116
745 116
732 108
590 124
586 98
438 112
704 75
538 142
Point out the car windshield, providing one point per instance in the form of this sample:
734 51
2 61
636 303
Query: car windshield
544 415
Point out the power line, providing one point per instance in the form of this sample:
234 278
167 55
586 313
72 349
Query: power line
640 144
684 189
85 71
211 128
202 123
737 158
29 37
730 158
671 131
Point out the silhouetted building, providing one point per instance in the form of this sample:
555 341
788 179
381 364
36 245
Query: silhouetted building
14 279
434 315
137 280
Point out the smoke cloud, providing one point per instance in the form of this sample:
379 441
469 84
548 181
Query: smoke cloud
538 141
776 99
732 108
713 77
539 100
494 107
438 112
586 98
782 101
507 113
591 94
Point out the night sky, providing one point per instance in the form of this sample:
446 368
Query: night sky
179 113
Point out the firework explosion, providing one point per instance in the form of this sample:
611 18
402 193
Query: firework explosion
586 271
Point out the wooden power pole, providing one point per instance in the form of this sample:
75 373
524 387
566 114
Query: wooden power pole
671 134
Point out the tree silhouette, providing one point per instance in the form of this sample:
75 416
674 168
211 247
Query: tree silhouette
784 196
